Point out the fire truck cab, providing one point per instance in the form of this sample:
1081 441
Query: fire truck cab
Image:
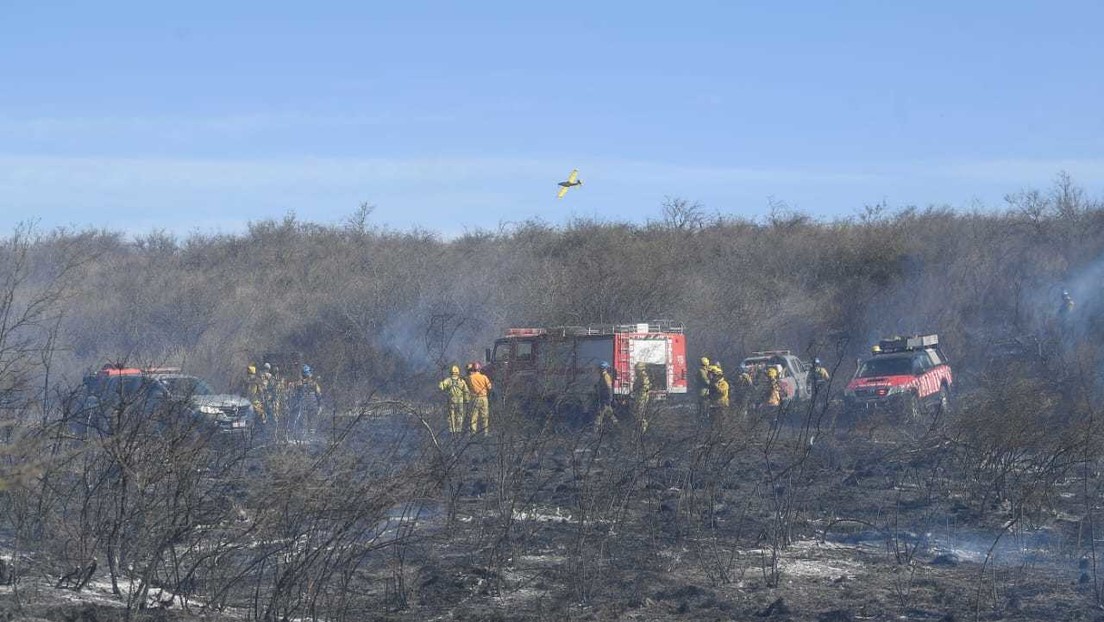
560 364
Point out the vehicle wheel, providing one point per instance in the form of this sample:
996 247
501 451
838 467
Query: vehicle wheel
913 408
944 401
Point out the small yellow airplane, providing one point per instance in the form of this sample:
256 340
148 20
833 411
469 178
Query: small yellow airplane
572 181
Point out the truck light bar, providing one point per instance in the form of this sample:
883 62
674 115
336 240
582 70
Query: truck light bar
524 332
113 370
904 344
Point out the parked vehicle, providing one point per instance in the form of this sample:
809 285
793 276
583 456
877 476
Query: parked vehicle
150 391
560 364
908 375
793 372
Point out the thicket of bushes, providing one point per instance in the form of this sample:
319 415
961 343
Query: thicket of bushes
371 307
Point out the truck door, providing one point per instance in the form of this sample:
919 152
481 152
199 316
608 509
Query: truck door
514 365
556 366
590 352
501 356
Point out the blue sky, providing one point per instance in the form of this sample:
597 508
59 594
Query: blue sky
454 116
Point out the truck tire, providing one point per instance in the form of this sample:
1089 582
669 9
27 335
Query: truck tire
913 409
944 401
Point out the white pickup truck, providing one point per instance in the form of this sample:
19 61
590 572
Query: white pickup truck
793 377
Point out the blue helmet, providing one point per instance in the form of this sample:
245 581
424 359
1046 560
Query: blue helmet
604 365
307 371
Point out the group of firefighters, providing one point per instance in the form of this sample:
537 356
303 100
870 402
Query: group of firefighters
759 386
640 392
468 396
279 400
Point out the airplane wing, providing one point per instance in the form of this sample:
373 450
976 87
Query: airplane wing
573 176
561 193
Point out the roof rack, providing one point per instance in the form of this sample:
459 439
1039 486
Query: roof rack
654 326
904 344
161 370
771 353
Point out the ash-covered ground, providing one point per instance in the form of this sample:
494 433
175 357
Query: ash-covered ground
779 516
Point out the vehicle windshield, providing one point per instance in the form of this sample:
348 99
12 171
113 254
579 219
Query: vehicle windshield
185 386
895 366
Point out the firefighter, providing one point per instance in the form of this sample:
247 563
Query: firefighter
279 390
703 386
480 386
718 396
306 400
1066 306
745 387
268 392
264 382
604 393
456 389
255 391
818 377
773 390
641 392
818 380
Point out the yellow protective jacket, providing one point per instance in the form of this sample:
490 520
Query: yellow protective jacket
718 392
479 383
774 392
642 384
604 389
253 386
457 390
703 380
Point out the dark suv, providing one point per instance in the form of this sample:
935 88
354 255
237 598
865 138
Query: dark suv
152 392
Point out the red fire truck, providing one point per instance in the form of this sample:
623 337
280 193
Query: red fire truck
559 365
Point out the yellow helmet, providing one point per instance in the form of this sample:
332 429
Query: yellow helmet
716 369
251 370
640 365
772 373
704 362
875 349
455 370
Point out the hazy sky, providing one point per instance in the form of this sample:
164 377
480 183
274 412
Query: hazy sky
205 115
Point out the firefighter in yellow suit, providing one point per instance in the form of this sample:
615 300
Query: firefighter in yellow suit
480 409
641 392
254 389
458 395
774 388
604 395
745 387
703 386
718 396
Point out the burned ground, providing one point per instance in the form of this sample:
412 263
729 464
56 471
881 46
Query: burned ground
383 517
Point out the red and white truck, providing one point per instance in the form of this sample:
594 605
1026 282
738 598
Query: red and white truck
559 365
906 374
